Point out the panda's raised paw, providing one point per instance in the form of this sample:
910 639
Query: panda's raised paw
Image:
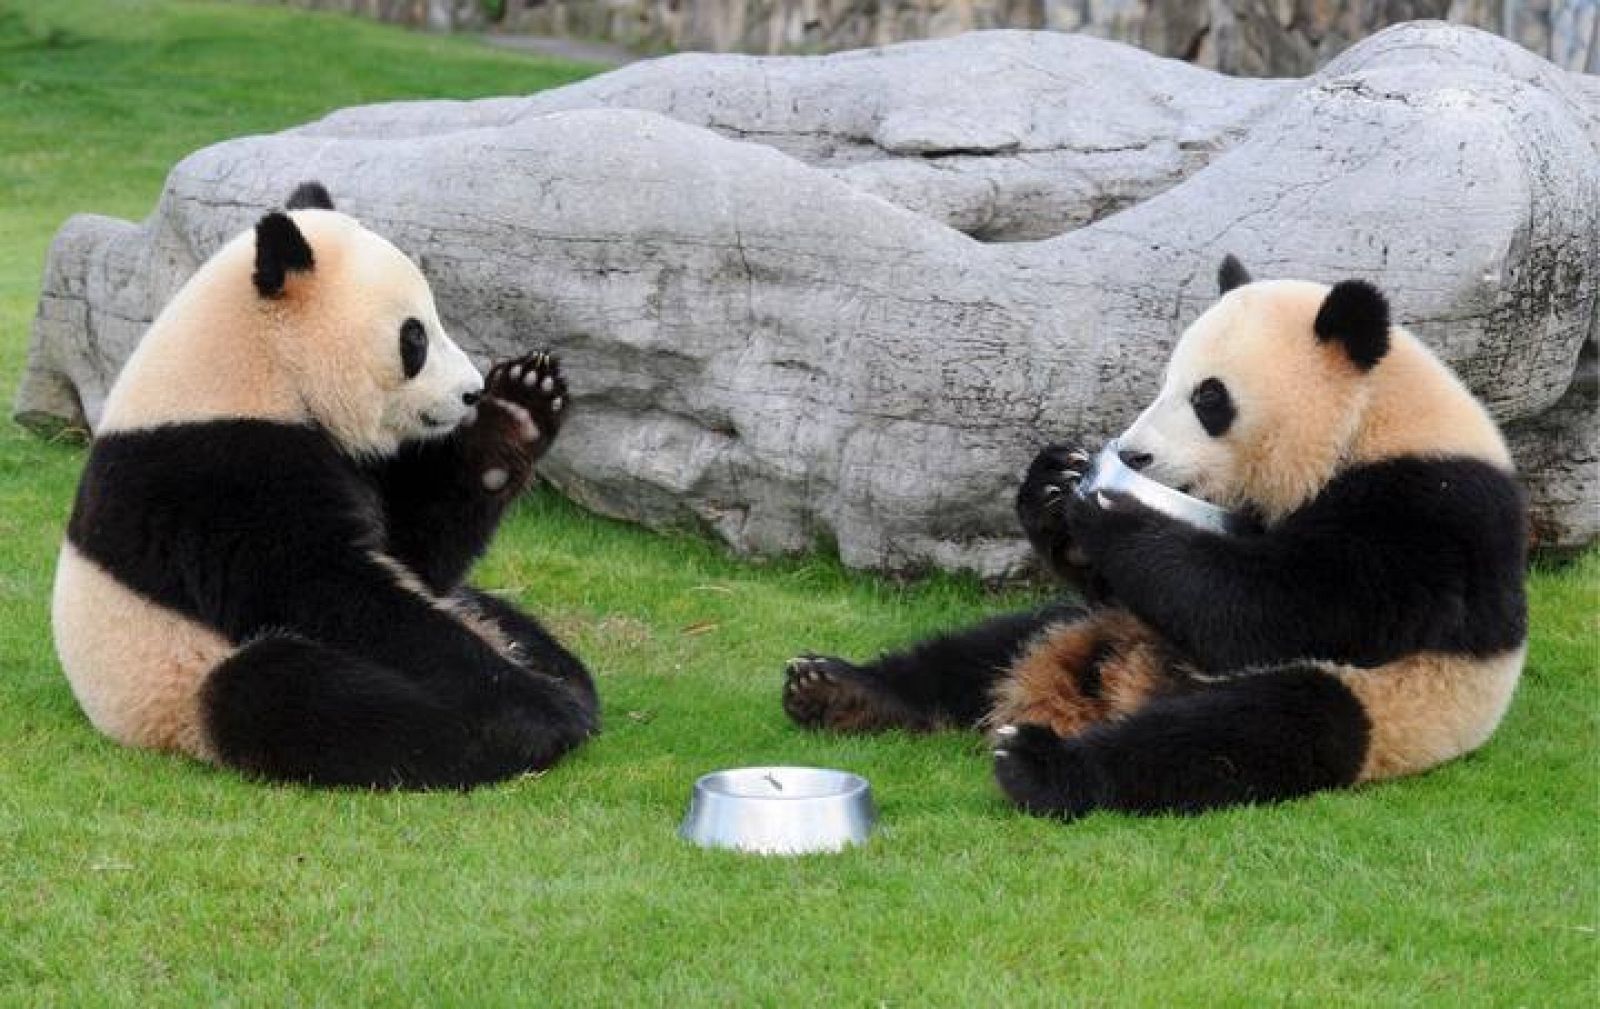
534 384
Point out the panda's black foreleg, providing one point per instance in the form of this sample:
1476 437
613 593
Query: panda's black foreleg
1259 738
536 648
944 682
444 498
283 708
1042 505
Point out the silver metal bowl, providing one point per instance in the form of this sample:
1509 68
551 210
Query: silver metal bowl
779 810
1109 473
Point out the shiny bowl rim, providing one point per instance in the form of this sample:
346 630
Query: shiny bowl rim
857 784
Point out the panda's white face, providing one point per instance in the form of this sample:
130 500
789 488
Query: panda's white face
428 384
371 358
1253 411
308 317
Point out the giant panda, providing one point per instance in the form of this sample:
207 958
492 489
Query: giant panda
292 474
1369 623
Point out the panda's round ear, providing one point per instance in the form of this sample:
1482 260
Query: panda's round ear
1356 314
310 195
280 250
1231 274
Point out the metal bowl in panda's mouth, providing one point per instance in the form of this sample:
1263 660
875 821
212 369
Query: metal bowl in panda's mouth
1109 474
779 810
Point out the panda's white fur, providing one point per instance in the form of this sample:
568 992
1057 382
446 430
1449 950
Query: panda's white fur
136 667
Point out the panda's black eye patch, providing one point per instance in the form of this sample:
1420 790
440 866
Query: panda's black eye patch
1213 407
413 347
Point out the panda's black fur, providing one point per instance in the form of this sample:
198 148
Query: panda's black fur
358 655
1222 669
1391 559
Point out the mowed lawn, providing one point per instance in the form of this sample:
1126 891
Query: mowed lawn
133 879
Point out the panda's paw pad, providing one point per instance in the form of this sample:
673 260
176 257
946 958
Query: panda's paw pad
535 385
495 479
820 692
501 445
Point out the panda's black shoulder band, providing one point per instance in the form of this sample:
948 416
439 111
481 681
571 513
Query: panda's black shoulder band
280 248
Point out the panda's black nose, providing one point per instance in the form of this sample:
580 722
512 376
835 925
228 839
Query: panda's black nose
1135 460
471 398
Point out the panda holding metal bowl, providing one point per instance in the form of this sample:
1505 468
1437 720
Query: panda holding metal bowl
1352 609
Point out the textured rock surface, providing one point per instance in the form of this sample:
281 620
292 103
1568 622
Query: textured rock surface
779 325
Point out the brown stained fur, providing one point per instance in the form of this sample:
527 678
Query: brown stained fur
1103 666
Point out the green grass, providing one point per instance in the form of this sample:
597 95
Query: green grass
128 878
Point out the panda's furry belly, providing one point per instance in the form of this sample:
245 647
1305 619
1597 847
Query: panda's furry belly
136 668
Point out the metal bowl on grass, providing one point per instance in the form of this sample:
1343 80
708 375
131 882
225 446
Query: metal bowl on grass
780 810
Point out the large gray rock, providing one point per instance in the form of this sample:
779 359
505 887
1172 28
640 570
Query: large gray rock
845 298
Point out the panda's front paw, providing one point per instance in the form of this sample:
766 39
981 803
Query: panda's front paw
534 386
1044 499
1044 774
1098 522
524 401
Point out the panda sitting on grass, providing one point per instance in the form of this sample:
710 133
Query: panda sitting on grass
1373 626
264 565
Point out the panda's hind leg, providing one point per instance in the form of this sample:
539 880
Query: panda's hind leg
1260 737
287 709
944 682
283 708
536 648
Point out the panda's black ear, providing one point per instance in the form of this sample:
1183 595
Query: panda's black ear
280 248
311 195
1231 274
1357 315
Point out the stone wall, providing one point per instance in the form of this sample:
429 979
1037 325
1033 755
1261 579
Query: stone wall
1254 38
